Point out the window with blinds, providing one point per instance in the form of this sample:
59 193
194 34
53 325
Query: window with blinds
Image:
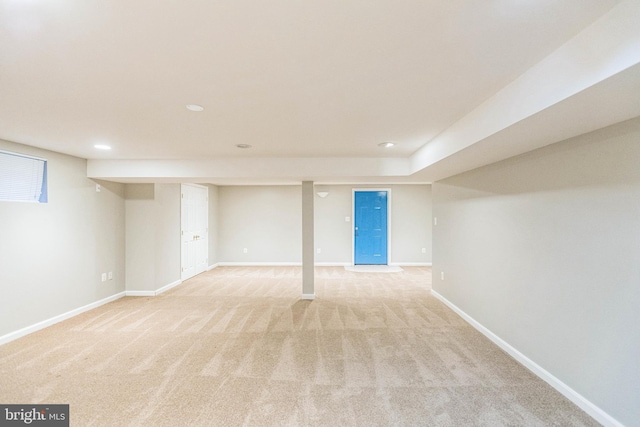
22 178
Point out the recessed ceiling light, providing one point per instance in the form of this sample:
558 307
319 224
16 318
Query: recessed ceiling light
195 107
102 147
243 146
386 144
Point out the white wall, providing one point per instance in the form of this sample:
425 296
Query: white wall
264 219
333 235
213 224
52 255
267 221
410 228
543 250
411 224
152 236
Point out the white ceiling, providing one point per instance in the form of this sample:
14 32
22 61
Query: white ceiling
312 86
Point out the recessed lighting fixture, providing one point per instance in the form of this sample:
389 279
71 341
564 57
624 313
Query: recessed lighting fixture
102 147
386 144
243 146
195 107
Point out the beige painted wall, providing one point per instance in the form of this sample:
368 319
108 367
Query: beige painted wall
264 219
267 221
213 224
333 235
411 223
410 228
134 231
52 255
543 250
152 236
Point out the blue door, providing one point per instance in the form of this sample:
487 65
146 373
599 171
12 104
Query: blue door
370 228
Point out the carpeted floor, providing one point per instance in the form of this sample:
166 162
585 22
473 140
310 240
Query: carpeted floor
236 346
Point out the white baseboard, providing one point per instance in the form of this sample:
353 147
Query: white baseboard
594 411
167 287
140 293
11 336
259 264
411 264
317 264
134 293
212 266
308 296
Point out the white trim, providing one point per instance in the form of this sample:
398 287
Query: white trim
196 185
366 183
277 264
169 286
259 264
374 268
353 220
333 264
598 414
140 293
308 297
134 293
11 336
317 264
212 266
411 264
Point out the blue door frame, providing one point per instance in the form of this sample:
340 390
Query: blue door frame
370 228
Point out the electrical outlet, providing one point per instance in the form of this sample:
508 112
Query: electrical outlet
442 275
245 250
424 250
104 277
435 221
98 188
110 275
318 250
347 219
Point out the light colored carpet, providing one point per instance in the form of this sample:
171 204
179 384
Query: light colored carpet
235 346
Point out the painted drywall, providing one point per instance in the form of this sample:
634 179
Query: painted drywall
264 219
543 251
152 236
52 255
213 224
267 221
410 228
140 229
308 250
334 235
410 224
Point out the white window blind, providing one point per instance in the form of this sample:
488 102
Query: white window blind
22 178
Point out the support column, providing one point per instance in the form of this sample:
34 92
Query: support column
308 252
